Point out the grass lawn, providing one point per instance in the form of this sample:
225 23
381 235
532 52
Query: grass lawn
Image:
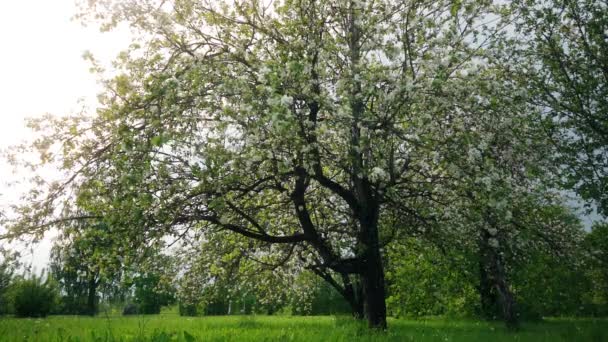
287 328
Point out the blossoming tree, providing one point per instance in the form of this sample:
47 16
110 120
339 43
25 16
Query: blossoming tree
312 129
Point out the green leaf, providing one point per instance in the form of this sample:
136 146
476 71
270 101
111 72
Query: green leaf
157 140
455 7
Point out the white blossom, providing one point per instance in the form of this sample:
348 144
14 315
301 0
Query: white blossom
223 220
286 100
378 175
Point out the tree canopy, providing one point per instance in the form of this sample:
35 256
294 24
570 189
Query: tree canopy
562 58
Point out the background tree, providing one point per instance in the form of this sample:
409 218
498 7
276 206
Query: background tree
84 262
427 280
563 62
152 284
9 263
227 274
78 279
596 247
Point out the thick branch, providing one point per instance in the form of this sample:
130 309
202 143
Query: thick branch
297 237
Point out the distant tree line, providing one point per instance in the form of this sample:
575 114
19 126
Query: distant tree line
423 279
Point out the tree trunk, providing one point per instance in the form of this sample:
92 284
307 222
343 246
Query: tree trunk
487 292
374 293
354 296
494 288
356 306
92 297
508 304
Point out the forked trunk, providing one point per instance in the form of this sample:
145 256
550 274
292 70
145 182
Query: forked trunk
508 304
494 288
354 296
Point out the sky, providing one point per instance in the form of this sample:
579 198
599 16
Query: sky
42 71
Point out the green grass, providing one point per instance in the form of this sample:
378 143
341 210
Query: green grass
287 328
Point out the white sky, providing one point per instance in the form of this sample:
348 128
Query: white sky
42 71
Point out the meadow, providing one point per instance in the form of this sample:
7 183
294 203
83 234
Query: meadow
288 328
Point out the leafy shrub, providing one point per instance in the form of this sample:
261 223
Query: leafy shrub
423 281
151 293
33 297
316 298
188 309
130 309
8 264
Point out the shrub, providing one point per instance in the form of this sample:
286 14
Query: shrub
151 293
130 309
33 297
9 262
188 309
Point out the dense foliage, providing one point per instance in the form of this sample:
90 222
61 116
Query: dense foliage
150 295
596 247
563 63
33 296
75 266
8 265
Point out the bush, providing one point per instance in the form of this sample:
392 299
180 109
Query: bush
130 309
423 281
151 293
33 298
188 309
8 264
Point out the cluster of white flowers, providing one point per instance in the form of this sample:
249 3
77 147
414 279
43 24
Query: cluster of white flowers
170 81
286 100
378 175
474 154
223 220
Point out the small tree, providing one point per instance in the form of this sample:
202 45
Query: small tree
150 293
596 247
33 297
77 277
8 264
83 262
153 284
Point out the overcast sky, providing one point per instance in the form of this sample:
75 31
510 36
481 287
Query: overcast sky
42 71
